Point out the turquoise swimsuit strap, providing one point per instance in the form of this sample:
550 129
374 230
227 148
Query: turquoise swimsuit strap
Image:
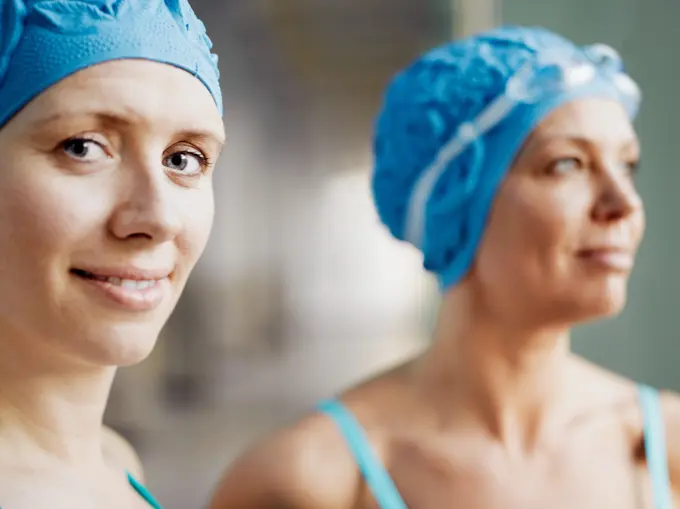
376 477
143 492
387 495
655 447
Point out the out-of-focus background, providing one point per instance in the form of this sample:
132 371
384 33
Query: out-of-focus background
301 291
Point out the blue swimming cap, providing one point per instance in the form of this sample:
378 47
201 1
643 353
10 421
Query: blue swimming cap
44 41
452 122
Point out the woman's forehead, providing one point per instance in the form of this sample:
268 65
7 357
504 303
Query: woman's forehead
594 119
134 92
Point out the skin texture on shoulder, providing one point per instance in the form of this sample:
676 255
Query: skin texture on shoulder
307 465
670 402
303 466
120 454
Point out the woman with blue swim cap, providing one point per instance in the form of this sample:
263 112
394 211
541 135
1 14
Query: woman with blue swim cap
508 158
110 126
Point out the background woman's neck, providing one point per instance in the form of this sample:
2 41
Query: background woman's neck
506 376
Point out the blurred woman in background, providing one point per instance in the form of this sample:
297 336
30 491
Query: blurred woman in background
110 124
508 158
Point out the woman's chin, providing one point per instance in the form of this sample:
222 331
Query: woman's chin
120 345
606 301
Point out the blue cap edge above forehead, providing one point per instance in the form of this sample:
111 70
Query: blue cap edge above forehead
43 56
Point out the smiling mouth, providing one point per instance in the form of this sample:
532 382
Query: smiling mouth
129 289
129 284
612 259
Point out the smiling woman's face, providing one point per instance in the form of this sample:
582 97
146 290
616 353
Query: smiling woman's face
106 204
567 221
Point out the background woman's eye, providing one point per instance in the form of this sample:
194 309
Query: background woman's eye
187 163
565 165
83 149
633 166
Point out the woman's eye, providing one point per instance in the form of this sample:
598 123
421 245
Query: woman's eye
187 163
84 150
633 166
566 165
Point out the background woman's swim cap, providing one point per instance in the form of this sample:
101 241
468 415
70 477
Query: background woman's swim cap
44 41
453 121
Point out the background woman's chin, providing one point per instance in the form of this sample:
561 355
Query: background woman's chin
601 299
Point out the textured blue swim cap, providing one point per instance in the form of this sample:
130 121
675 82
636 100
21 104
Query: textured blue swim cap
44 41
435 99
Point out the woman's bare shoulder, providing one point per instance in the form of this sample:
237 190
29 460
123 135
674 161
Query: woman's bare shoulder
120 454
624 395
670 405
308 464
303 465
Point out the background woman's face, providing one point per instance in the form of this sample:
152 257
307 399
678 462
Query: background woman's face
567 222
106 204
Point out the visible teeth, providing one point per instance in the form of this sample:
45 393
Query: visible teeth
131 284
128 284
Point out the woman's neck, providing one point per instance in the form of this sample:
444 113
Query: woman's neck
505 377
51 410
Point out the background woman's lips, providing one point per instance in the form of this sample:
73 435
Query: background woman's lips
607 257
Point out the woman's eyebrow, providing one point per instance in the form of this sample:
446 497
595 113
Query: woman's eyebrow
126 119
